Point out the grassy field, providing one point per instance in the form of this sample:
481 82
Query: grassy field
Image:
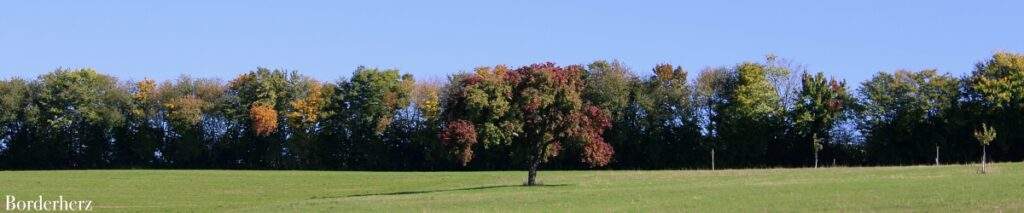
945 188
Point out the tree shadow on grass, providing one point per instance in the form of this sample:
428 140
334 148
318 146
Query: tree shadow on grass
438 190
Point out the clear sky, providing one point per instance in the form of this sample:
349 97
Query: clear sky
430 39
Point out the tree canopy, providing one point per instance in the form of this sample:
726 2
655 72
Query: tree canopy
601 115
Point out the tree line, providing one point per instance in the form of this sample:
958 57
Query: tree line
768 113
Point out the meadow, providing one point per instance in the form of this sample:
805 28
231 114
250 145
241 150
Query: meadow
937 188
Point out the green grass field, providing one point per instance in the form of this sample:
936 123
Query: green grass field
945 188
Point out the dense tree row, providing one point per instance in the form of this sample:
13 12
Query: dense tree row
602 115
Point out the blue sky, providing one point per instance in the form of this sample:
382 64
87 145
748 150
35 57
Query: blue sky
328 39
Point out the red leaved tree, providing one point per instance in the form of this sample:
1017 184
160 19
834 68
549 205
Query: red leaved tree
540 106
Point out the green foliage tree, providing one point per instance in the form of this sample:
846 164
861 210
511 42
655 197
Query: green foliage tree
752 119
999 81
17 122
816 146
818 108
755 95
15 96
614 88
667 121
713 89
362 109
900 112
608 86
984 135
77 111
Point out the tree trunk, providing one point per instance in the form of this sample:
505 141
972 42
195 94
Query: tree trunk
535 160
712 159
815 160
984 169
936 155
531 178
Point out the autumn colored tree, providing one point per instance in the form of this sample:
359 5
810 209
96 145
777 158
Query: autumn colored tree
263 94
192 108
411 140
427 98
483 98
264 119
418 145
458 137
753 114
141 135
269 98
546 100
306 109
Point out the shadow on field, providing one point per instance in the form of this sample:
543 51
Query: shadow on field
439 190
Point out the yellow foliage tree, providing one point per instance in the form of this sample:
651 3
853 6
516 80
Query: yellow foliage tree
264 119
306 110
